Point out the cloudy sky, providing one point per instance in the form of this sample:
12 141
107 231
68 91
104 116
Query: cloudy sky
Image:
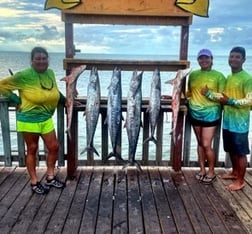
24 24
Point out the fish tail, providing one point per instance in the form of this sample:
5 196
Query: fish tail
114 154
133 163
90 149
151 138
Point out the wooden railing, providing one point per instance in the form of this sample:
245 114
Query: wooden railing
12 144
164 153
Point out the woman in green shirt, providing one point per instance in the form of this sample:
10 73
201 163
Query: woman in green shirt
37 100
205 114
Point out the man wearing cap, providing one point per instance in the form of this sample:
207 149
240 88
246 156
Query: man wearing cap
205 114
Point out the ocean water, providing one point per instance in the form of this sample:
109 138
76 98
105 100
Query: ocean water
16 61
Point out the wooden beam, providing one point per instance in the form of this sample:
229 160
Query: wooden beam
127 20
127 65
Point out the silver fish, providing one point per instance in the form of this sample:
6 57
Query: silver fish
92 109
114 112
133 116
154 104
176 96
72 93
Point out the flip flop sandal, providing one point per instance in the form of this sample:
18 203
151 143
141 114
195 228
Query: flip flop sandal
208 179
199 176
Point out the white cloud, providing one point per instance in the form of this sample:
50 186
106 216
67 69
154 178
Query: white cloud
215 34
28 23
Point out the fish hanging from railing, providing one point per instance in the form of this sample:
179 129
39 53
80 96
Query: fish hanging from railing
72 93
92 110
175 102
61 4
197 7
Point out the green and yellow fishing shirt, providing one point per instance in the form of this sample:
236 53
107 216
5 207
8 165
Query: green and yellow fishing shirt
38 94
236 117
200 107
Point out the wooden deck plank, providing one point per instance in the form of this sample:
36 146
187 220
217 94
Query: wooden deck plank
63 200
222 213
240 195
164 211
176 203
208 211
89 219
235 201
134 202
192 209
14 191
120 218
5 172
73 221
23 209
150 215
227 215
46 210
111 200
7 184
105 213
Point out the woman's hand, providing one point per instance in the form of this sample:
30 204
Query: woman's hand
224 99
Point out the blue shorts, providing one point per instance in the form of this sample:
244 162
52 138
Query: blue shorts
235 143
41 127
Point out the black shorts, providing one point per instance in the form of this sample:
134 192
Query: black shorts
235 143
200 123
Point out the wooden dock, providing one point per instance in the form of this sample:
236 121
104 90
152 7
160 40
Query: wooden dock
111 200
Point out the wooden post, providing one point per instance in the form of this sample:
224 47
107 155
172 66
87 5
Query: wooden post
61 134
177 150
69 41
5 124
72 147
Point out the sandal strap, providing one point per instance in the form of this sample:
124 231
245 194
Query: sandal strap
39 188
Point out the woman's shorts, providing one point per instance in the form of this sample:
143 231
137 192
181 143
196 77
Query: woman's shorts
199 123
41 127
235 143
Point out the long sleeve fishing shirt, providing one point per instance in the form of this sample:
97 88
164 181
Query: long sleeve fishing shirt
200 107
38 94
236 117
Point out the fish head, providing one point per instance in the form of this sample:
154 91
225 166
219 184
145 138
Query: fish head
74 74
180 75
183 73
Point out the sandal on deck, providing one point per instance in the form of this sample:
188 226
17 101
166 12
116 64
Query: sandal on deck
208 179
200 176
39 188
54 182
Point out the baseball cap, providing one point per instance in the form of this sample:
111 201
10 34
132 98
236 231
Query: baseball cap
205 52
